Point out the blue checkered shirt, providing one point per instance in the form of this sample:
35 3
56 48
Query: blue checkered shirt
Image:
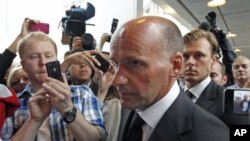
82 98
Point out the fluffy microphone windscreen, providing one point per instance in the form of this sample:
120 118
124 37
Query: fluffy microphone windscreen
205 26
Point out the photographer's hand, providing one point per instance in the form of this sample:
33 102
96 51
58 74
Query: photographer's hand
24 32
40 106
104 38
105 80
59 94
79 58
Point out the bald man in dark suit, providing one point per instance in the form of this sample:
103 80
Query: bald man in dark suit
147 52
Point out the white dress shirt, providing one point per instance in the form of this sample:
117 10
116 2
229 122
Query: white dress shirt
199 88
154 113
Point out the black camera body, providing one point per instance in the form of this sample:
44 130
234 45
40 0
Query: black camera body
113 28
74 22
88 41
235 107
218 33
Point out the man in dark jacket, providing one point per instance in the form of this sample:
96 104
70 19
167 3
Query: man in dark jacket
147 51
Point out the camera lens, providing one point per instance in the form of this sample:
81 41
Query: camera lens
88 41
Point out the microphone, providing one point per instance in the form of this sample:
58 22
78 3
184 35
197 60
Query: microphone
205 26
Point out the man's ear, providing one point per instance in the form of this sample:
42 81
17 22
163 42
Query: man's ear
214 59
177 64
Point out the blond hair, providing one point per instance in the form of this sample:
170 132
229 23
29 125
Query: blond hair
40 36
198 34
12 74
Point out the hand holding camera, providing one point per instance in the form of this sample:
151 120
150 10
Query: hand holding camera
43 27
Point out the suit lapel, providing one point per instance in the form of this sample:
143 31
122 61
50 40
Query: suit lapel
175 122
208 96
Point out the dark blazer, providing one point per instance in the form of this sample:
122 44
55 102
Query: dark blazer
6 59
183 121
211 99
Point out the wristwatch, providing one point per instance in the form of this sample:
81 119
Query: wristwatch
70 115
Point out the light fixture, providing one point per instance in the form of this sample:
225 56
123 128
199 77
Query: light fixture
237 50
215 3
230 35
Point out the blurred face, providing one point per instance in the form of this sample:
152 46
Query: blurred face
216 74
241 69
36 55
80 73
77 43
143 75
19 80
198 61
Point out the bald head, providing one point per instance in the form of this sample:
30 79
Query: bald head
155 32
147 51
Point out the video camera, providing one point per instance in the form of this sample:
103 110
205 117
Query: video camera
113 28
74 24
218 33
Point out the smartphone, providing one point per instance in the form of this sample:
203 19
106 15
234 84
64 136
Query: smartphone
236 106
43 27
104 63
54 70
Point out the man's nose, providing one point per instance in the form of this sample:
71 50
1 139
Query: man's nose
120 79
43 60
190 61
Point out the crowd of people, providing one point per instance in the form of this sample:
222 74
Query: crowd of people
159 86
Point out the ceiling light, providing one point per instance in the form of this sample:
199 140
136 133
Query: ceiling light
215 3
230 35
237 50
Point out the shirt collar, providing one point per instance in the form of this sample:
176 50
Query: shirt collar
198 89
27 89
153 114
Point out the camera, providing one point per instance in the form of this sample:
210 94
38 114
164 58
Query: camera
74 25
54 70
236 106
104 63
43 27
88 41
113 28
74 22
218 33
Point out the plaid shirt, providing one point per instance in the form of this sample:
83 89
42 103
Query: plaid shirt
82 98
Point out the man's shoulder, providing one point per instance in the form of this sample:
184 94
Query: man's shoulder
214 89
81 89
191 121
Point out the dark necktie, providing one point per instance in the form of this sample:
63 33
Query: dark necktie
135 133
189 94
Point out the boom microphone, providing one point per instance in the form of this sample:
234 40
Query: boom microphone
205 26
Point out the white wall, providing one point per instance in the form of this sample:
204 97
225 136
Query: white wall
12 13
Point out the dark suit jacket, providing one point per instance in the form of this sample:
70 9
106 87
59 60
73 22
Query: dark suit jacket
211 99
183 121
6 59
